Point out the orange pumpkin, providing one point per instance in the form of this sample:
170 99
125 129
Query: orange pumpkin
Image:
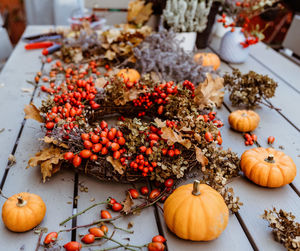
23 211
130 75
196 212
208 59
268 167
243 120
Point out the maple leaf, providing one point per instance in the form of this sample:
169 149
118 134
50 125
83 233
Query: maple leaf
127 203
201 158
208 93
138 12
49 159
116 164
31 112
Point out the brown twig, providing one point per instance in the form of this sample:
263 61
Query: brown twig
39 241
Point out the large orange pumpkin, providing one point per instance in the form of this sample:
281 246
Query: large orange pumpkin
196 212
243 120
268 167
130 75
208 59
23 211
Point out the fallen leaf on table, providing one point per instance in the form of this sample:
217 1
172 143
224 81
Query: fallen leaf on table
127 203
49 159
138 12
208 93
2 130
11 160
201 158
116 164
130 224
31 112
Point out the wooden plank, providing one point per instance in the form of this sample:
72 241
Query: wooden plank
285 96
282 67
56 193
12 99
284 133
256 199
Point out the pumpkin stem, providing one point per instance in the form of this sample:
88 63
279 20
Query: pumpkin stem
270 158
196 188
21 202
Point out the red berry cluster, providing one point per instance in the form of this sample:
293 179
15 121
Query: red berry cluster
190 86
171 123
246 27
250 139
100 142
70 96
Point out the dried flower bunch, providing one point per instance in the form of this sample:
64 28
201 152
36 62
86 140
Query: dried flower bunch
157 53
241 12
187 16
185 136
249 89
285 229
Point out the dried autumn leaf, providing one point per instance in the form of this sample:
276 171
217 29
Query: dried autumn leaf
201 158
110 55
172 137
116 164
111 35
50 140
138 12
49 158
11 160
127 203
128 96
208 93
160 123
198 138
31 112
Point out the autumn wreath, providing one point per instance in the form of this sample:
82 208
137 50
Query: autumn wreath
169 129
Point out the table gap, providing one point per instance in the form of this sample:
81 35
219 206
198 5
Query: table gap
74 211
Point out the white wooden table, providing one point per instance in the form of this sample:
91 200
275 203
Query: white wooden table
245 231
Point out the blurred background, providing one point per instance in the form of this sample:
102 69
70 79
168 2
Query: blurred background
17 14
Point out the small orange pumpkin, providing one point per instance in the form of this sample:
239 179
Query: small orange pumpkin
196 212
243 120
130 75
268 167
208 59
23 211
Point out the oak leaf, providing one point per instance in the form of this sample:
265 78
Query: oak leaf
208 93
172 137
127 203
201 158
49 159
31 112
138 12
116 164
128 96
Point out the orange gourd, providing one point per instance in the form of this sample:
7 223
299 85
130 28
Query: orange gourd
130 75
268 167
208 59
243 120
23 211
196 212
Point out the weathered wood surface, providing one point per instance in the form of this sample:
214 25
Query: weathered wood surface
245 230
